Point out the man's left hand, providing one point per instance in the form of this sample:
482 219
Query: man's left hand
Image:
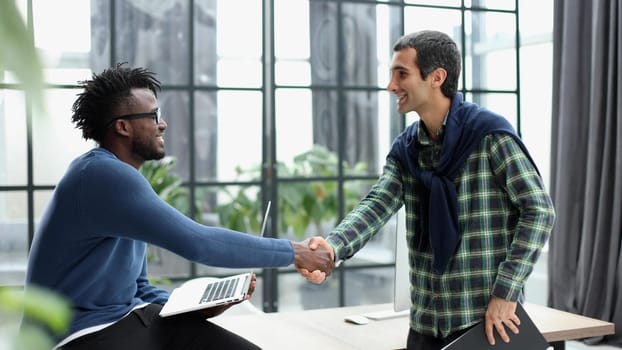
500 314
217 310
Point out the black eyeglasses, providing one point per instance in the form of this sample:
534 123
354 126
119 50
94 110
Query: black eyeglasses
155 115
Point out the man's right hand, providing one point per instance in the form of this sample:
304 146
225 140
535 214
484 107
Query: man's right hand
317 244
313 260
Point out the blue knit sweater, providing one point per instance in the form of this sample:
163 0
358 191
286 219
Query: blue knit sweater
90 244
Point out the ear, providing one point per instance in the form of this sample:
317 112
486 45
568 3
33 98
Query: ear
122 127
438 77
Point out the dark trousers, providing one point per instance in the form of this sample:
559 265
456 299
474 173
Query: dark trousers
418 341
145 329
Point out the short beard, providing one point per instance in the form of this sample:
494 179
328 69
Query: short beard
147 151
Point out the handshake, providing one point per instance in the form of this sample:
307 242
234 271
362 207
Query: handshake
314 259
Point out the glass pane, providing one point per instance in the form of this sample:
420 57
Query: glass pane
360 41
383 1
239 72
56 141
369 32
365 124
231 21
64 45
163 264
296 293
369 286
55 34
293 72
491 51
294 121
323 28
41 198
13 138
6 74
291 29
435 2
536 20
228 144
503 104
14 242
388 30
537 63
491 4
239 134
219 57
155 35
176 112
100 35
205 52
206 136
292 42
444 20
325 123
494 4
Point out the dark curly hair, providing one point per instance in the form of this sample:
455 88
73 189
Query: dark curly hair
104 93
434 50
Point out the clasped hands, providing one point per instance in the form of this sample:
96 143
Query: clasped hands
314 259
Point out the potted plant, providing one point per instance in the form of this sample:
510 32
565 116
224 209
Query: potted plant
303 206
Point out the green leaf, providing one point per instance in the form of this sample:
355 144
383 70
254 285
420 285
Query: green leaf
32 338
18 52
39 304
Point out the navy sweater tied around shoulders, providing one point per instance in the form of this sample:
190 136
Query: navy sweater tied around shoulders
466 125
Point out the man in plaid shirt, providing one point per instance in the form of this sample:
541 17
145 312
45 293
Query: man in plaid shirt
478 214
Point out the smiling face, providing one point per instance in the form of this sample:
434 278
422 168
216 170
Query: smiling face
147 137
413 92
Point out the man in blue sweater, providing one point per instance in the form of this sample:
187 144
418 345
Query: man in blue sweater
90 245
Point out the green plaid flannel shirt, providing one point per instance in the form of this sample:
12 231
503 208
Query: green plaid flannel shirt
505 218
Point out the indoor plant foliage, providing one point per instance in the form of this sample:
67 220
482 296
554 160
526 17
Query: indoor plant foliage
165 183
39 305
303 206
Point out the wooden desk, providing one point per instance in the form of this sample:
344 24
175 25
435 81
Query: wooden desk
326 328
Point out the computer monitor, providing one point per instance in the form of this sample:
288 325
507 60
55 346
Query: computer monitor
401 281
401 284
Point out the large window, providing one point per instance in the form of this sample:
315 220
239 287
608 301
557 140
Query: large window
280 100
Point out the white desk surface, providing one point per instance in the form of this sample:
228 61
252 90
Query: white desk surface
326 328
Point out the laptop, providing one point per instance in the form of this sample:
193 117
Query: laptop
528 337
203 293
